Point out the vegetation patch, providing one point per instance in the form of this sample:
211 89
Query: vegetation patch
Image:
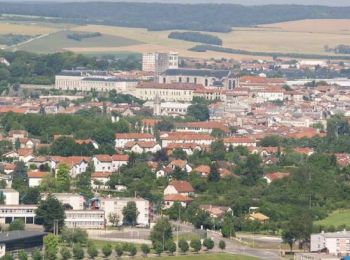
196 37
79 36
12 39
336 219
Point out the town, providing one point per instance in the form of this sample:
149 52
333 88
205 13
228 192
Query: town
172 155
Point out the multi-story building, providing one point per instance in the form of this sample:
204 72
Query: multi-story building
122 139
186 138
8 213
336 243
159 62
107 163
205 77
11 197
73 200
85 219
116 206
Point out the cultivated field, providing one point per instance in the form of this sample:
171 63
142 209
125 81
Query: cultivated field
306 36
336 219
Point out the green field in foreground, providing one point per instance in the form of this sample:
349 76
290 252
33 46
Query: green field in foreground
336 219
204 257
58 41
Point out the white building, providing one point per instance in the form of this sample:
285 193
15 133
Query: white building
122 139
11 196
337 243
35 178
159 62
85 219
74 200
8 213
186 138
107 163
116 206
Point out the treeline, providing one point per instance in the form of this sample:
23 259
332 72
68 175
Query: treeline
342 49
154 16
12 39
204 48
196 37
81 35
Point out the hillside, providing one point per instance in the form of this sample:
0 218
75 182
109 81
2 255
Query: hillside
155 16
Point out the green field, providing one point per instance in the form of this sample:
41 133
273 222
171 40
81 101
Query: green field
58 41
204 257
336 219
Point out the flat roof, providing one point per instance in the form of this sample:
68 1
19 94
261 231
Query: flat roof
19 234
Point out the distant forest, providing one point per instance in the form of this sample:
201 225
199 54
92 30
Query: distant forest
196 37
155 16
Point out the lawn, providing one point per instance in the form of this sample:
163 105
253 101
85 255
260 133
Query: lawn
58 41
204 257
336 219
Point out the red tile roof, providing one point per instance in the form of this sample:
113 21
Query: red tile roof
134 136
276 175
182 186
101 175
177 197
185 136
37 175
239 140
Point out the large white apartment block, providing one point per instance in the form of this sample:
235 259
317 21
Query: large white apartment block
116 206
159 62
88 81
186 138
337 243
73 200
11 197
85 219
122 139
8 213
107 163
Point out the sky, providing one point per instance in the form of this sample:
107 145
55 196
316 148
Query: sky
244 2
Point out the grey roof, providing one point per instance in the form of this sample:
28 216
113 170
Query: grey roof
340 234
198 72
15 235
83 72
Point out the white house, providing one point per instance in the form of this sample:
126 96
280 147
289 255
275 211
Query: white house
122 139
179 187
143 147
8 213
239 141
77 164
99 180
35 178
107 163
185 138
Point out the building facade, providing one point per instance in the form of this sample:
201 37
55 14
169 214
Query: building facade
160 62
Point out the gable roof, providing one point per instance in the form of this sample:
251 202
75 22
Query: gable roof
182 186
37 175
177 197
134 136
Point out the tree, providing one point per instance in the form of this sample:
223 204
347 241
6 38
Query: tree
22 255
114 219
78 251
118 250
208 243
48 211
227 228
17 144
31 196
92 250
252 170
36 254
7 256
161 232
107 250
73 236
289 237
20 177
178 153
196 245
63 178
65 253
179 174
222 244
214 175
145 249
199 112
130 213
51 246
158 248
183 245
218 150
170 246
17 224
132 250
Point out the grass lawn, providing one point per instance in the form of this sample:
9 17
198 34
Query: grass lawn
336 219
204 257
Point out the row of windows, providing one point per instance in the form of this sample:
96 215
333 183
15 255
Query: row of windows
82 215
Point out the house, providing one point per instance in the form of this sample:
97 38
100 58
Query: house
99 180
170 199
107 163
27 143
8 168
206 127
304 150
273 176
41 162
87 141
239 141
188 148
181 164
15 134
164 172
22 154
122 139
179 187
7 178
257 216
203 170
142 147
343 159
185 138
35 177
215 211
76 164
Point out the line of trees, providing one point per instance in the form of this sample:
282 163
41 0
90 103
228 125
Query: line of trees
196 37
79 36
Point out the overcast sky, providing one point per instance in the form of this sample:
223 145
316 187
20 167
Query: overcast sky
244 2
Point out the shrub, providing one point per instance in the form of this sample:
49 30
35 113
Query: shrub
208 243
78 252
132 250
158 248
119 250
92 250
183 245
145 249
65 253
36 254
22 255
222 245
107 250
17 224
196 245
170 246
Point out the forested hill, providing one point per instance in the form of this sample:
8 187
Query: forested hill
155 16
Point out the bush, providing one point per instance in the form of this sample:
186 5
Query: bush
17 224
7 256
158 248
208 243
22 255
145 249
107 250
132 250
73 236
36 254
119 250
196 245
78 252
222 245
183 245
65 253
170 246
92 250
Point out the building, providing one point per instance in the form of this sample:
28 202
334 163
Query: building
11 197
8 213
122 139
186 138
107 163
85 219
159 62
116 206
315 256
35 178
71 200
179 187
205 77
99 180
336 243
12 242
239 141
93 80
173 109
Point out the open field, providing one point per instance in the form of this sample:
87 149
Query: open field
336 219
305 36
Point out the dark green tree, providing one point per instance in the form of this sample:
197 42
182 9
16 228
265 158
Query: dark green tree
161 232
130 213
199 112
145 249
196 245
49 211
183 245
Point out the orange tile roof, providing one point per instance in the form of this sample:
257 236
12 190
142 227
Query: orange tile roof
202 169
142 144
101 175
186 136
134 136
237 139
182 186
276 175
177 197
37 175
25 151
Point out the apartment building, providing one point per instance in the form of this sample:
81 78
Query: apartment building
336 243
122 139
185 138
159 62
11 197
71 200
85 219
